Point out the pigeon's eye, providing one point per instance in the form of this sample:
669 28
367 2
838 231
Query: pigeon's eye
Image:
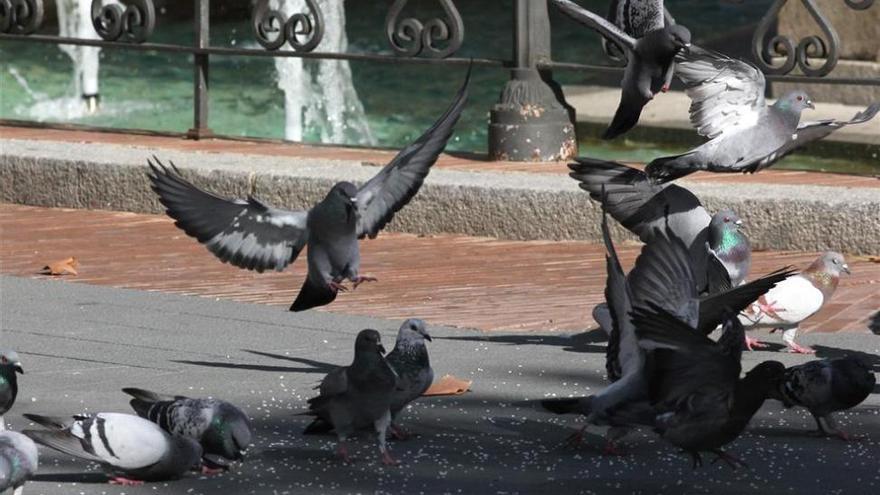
833 261
726 219
800 98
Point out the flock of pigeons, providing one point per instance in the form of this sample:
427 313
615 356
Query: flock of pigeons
688 281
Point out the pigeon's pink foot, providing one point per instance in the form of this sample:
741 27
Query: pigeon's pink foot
846 437
361 279
799 349
730 459
209 471
769 308
752 344
665 88
398 433
342 454
388 460
611 448
575 440
337 286
119 480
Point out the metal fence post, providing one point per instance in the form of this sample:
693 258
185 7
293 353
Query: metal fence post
531 122
201 64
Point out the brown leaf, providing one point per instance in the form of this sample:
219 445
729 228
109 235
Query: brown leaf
61 267
448 385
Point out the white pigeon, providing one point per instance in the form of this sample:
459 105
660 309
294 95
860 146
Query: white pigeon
794 300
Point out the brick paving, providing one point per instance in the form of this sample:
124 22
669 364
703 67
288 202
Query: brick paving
454 280
456 161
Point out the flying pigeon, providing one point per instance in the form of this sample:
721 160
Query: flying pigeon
221 428
785 306
10 364
410 361
636 18
728 108
254 235
357 396
825 386
18 460
131 449
730 246
650 58
700 402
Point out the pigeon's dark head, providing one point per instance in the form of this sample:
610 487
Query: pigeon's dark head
9 359
229 434
831 262
413 330
726 220
369 340
795 102
679 38
766 375
346 191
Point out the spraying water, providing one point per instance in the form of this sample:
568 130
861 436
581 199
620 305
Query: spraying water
75 21
320 101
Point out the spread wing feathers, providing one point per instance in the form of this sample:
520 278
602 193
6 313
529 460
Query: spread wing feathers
713 306
732 335
597 23
717 278
246 233
664 276
62 441
392 188
622 356
657 328
725 93
631 198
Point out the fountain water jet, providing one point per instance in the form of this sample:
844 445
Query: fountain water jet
75 21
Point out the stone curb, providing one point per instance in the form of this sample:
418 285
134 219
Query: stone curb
507 205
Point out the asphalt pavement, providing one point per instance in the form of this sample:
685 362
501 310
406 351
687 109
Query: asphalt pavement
81 344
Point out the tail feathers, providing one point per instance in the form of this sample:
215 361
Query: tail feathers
142 408
668 168
317 427
51 422
312 295
625 118
146 395
564 406
62 442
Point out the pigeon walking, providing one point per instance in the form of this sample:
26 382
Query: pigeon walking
254 235
700 402
19 460
131 449
650 48
10 364
826 386
221 428
728 108
791 302
357 396
410 361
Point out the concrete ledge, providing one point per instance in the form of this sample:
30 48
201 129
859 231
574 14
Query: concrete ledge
507 205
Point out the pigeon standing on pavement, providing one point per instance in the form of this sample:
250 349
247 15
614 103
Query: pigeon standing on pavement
730 245
650 58
794 300
357 396
825 386
221 428
131 449
10 364
19 460
410 361
254 235
728 108
700 402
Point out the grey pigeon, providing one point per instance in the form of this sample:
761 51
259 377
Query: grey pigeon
221 428
728 108
825 386
700 403
10 364
131 449
728 243
650 60
794 300
410 361
19 460
357 396
254 235
635 18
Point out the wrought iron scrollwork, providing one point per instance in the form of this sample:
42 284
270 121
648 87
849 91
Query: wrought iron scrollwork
132 23
20 16
410 37
809 47
273 29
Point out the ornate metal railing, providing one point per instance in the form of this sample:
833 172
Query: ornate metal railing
531 110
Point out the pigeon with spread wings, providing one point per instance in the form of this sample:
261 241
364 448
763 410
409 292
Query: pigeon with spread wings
650 57
745 134
254 235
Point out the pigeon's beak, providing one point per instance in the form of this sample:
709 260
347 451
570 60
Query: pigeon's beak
738 223
428 337
381 349
353 200
845 268
686 48
810 105
18 368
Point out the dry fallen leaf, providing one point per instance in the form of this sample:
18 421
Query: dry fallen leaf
449 385
61 267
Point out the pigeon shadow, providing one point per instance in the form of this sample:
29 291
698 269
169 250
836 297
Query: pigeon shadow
581 342
316 366
248 367
90 478
874 323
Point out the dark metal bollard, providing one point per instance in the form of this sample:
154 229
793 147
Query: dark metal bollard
532 122
201 64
